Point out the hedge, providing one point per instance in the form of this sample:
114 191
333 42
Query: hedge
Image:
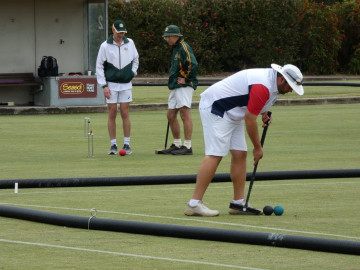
229 35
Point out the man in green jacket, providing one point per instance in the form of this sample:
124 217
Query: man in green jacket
182 83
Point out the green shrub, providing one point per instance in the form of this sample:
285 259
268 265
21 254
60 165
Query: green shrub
349 54
321 38
260 33
229 35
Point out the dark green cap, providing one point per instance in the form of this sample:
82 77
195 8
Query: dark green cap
119 26
172 30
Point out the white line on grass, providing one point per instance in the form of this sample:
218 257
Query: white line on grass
127 254
201 220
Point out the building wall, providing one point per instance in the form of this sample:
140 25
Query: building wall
17 36
30 29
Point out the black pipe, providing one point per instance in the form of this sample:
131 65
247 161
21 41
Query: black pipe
212 82
188 232
331 84
172 179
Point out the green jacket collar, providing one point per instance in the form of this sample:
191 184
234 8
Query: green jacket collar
110 40
179 40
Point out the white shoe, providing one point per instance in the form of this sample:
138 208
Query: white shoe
127 148
200 210
113 150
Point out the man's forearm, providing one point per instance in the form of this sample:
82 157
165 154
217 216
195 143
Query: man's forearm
252 129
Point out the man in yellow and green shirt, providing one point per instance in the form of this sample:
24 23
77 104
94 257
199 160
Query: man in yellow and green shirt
182 83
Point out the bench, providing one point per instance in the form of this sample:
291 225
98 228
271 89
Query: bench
17 80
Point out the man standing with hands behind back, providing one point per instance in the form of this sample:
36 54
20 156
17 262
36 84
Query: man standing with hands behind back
182 83
117 63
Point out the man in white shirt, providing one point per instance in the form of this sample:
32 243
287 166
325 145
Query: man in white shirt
117 63
224 109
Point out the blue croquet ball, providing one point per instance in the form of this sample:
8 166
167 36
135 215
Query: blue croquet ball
278 210
268 210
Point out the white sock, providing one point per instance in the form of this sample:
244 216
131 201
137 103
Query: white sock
127 140
187 143
241 201
113 141
193 202
177 142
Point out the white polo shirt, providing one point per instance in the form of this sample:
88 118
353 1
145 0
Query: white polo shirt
229 98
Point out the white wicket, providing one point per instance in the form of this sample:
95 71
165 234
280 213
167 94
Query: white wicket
86 126
90 144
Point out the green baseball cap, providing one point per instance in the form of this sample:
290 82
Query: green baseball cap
172 30
119 26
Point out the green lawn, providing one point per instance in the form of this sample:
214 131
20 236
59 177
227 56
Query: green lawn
48 146
53 146
159 94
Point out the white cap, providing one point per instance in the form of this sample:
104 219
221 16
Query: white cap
292 75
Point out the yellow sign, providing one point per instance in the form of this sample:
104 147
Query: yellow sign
72 88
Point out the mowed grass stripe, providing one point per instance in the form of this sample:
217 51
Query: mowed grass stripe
126 254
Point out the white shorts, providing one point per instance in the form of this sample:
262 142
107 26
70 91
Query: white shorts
180 97
123 96
221 135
